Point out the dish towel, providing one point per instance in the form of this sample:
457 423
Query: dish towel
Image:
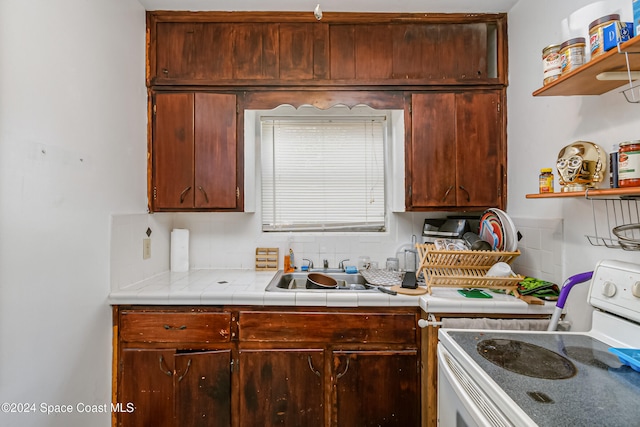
496 324
179 250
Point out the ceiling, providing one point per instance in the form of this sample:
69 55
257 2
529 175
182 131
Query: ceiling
434 6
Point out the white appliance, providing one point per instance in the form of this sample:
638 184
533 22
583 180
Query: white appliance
550 378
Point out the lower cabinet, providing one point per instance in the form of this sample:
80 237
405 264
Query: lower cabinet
281 387
376 388
173 388
267 367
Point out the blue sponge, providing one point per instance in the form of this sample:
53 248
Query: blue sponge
351 269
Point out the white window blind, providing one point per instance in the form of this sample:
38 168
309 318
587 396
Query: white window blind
323 174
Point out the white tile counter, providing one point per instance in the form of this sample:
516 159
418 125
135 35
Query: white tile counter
247 287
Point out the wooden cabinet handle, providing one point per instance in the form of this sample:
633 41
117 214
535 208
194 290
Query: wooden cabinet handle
447 193
314 370
184 194
204 193
466 191
162 367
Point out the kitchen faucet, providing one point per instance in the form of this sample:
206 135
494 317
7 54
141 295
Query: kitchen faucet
310 263
341 263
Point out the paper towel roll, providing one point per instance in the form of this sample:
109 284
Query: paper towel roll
179 250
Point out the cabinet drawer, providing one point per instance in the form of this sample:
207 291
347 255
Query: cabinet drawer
361 328
175 327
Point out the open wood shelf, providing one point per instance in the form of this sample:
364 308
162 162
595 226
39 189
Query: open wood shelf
605 192
583 81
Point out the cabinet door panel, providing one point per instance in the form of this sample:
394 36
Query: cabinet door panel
374 52
377 388
255 51
413 51
215 151
146 380
479 149
342 47
187 51
203 389
296 51
282 387
433 150
173 151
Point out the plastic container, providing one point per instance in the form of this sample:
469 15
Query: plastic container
551 64
629 164
596 33
572 54
546 180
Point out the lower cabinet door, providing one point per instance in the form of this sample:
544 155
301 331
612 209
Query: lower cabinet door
203 389
146 381
376 388
281 387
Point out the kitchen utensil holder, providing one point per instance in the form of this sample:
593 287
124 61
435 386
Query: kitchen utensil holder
267 259
465 269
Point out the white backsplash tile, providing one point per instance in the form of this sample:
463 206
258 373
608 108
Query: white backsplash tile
540 248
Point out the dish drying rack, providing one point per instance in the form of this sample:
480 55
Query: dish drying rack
465 269
609 213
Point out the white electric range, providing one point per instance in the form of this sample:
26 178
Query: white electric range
522 378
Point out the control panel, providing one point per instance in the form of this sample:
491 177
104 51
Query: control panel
615 288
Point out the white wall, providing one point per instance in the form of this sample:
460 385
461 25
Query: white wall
538 127
72 151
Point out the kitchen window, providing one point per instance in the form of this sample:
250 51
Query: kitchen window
323 172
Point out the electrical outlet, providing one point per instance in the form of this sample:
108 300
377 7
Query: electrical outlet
146 248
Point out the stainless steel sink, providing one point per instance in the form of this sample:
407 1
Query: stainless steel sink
296 282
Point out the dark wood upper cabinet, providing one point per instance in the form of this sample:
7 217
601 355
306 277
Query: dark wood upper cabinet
247 49
194 157
456 155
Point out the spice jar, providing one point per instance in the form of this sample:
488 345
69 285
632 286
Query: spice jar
572 54
596 33
629 164
546 180
551 63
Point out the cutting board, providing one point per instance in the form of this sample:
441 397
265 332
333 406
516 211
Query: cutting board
531 300
408 291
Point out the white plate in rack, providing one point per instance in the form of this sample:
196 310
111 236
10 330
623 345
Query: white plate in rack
509 228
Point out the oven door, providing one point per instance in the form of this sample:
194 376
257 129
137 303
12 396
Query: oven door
461 403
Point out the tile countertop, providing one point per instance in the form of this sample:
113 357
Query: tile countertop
247 287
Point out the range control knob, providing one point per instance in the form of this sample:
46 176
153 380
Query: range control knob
608 289
635 290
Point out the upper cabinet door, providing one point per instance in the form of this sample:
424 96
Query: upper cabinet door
216 146
173 151
432 166
480 152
